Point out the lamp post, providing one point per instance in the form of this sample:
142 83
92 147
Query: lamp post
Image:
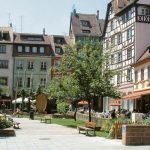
16 91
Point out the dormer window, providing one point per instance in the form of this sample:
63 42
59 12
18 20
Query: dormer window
58 50
60 40
85 23
86 31
42 49
34 49
27 49
19 49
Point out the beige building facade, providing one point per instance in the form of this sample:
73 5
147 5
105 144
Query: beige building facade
6 59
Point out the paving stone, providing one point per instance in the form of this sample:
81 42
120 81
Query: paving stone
34 135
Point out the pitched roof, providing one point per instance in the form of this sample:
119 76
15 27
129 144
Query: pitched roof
28 38
95 25
53 40
144 58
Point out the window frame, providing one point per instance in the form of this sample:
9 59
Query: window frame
42 52
43 65
4 64
19 50
33 48
129 33
26 49
2 49
129 53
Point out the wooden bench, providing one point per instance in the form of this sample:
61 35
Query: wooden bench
89 126
46 119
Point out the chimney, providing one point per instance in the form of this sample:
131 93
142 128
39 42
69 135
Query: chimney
10 25
97 16
43 31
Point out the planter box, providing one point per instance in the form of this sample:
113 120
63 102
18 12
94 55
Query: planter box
7 132
137 117
136 135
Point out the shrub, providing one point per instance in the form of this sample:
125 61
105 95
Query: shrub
62 107
147 121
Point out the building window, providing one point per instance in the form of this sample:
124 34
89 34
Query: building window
136 76
43 65
59 40
85 23
19 64
119 38
20 82
111 10
4 64
148 72
142 11
28 82
42 50
119 56
146 12
3 81
129 74
113 40
129 15
34 49
19 49
119 78
43 82
2 48
112 59
58 50
123 18
30 65
142 74
27 49
86 31
129 53
129 33
112 25
107 44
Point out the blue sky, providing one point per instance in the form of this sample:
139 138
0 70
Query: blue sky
54 15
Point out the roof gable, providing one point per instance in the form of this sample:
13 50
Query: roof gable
86 24
145 55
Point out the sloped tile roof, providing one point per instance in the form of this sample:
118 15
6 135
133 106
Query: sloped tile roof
28 38
96 25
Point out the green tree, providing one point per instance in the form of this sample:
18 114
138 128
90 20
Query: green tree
3 89
89 67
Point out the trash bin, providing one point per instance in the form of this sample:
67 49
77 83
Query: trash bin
32 115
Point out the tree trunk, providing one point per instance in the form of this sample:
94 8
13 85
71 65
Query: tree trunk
75 111
89 104
100 104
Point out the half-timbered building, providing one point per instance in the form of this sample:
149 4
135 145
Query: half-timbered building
126 34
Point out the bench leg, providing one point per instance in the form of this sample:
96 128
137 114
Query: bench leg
86 132
79 131
94 133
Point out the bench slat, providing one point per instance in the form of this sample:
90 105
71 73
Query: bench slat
89 126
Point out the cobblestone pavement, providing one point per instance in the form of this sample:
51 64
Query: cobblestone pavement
34 135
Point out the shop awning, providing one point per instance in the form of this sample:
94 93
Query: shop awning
115 102
136 95
82 103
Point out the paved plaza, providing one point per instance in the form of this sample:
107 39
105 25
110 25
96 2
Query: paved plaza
34 135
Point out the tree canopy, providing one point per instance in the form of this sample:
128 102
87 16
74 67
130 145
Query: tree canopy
84 73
